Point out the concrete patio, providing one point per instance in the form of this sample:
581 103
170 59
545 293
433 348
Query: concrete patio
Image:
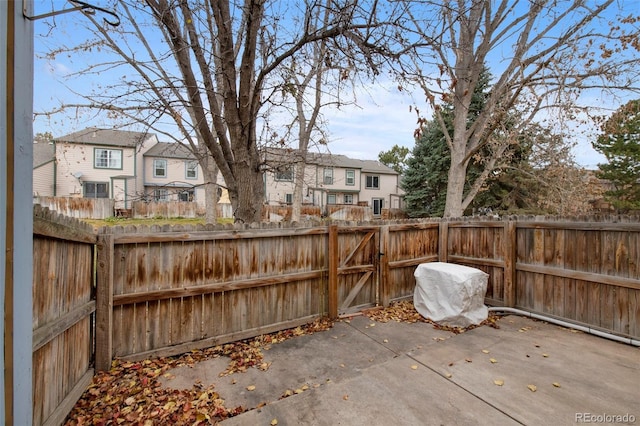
363 372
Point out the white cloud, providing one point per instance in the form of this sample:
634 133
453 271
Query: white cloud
383 118
57 69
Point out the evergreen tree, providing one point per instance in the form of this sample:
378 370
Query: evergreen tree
425 179
620 144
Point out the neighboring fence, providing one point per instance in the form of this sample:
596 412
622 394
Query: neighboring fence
63 306
80 208
166 290
142 209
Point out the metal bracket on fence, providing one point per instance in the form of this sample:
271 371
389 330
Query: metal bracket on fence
84 7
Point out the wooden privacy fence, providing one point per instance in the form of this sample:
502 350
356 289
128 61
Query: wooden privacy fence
164 290
81 208
63 306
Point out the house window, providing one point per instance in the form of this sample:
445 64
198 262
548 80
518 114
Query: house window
285 173
160 195
348 198
159 168
96 189
191 170
331 198
350 178
288 198
328 176
107 158
373 182
187 195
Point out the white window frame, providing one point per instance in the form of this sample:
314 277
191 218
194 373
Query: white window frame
156 165
105 158
160 195
191 166
350 180
348 198
327 176
331 199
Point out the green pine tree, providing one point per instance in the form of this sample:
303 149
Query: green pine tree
620 144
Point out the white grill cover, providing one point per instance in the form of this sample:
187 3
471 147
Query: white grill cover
450 294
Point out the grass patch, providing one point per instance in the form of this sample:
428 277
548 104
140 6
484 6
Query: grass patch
123 221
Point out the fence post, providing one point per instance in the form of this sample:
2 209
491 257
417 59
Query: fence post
509 296
333 271
385 290
104 303
443 241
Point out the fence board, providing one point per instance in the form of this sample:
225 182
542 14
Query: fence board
62 309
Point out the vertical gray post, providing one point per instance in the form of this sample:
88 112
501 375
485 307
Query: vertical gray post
16 205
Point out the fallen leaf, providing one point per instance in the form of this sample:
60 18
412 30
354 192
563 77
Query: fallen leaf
274 422
448 375
498 382
532 388
414 367
556 384
386 341
468 359
251 388
545 355
493 360
484 351
345 397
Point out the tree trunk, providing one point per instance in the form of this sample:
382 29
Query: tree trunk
299 167
210 172
249 193
455 185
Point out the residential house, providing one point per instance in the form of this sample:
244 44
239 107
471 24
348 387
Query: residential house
44 168
102 163
172 173
332 179
129 166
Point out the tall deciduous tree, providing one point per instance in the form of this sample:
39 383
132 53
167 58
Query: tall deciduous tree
206 69
542 53
620 144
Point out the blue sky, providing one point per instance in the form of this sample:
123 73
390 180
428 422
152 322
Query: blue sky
384 116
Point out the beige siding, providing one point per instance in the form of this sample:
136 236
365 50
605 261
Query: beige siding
388 185
77 158
43 179
176 175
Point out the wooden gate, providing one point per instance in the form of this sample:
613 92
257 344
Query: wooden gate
354 265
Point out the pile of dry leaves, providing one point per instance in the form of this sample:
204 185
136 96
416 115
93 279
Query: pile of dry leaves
404 311
130 392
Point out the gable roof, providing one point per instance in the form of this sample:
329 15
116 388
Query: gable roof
170 150
281 156
107 137
43 153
